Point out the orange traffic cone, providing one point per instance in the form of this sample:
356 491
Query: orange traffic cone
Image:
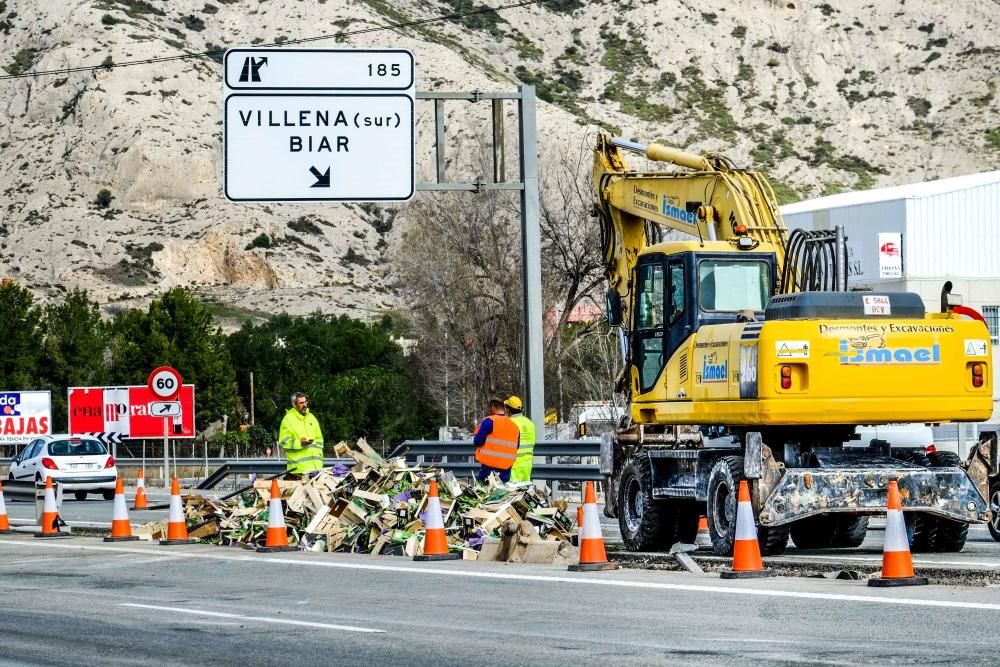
592 554
177 531
746 551
121 530
435 541
277 532
897 564
140 492
4 521
50 514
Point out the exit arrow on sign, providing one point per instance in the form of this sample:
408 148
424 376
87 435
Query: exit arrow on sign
165 409
322 179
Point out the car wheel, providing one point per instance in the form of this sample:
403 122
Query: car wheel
109 494
80 495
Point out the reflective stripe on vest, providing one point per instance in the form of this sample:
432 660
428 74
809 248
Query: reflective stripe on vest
304 459
500 448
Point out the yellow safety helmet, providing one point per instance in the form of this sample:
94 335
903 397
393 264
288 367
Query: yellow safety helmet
513 402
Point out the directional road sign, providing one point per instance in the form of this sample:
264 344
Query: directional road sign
165 409
319 125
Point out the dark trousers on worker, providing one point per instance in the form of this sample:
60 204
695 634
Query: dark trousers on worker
484 472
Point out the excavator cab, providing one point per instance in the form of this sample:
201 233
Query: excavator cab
681 287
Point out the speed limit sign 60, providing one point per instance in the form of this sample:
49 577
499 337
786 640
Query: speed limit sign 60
164 382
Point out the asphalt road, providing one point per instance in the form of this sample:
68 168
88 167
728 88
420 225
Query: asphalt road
981 551
78 601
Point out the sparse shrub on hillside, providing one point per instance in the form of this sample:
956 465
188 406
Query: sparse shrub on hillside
352 257
984 100
710 18
993 138
919 106
773 62
108 19
103 198
23 60
927 27
785 193
209 9
304 225
739 32
193 23
260 241
826 9
563 6
108 62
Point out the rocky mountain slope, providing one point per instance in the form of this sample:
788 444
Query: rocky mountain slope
824 96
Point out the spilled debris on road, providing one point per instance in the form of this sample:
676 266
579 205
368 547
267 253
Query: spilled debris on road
377 506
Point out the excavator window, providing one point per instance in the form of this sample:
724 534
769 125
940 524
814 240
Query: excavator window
733 285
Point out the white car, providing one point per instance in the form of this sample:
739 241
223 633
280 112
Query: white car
79 463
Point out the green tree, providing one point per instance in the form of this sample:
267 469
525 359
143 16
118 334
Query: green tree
73 349
19 331
358 383
177 330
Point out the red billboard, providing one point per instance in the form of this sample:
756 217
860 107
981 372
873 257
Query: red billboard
128 411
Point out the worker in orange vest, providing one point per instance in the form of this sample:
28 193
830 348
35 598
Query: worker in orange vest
496 442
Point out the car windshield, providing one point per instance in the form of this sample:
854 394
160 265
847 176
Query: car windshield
76 448
727 285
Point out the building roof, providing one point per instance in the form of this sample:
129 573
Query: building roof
909 191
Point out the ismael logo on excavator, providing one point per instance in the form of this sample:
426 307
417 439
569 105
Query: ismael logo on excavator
748 329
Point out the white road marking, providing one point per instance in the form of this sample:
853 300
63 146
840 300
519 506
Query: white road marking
259 619
585 580
878 559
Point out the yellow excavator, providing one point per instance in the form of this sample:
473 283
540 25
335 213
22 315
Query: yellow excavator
746 357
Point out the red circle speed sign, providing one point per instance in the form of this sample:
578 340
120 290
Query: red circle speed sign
164 382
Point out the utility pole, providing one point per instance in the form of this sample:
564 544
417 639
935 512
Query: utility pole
251 399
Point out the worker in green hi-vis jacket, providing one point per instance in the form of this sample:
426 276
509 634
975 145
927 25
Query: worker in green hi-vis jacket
301 438
521 472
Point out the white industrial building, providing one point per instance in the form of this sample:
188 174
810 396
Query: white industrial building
913 238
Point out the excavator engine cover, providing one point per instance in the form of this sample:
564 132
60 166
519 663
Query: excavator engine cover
844 306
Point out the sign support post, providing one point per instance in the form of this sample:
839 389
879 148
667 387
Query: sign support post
166 454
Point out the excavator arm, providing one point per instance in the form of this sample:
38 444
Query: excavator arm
708 198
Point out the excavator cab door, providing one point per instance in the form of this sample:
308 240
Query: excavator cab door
663 314
648 326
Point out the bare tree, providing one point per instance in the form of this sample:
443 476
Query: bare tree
459 269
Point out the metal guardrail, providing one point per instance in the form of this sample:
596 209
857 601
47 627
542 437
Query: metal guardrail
257 467
22 489
418 451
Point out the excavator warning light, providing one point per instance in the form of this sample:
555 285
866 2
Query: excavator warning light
741 230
